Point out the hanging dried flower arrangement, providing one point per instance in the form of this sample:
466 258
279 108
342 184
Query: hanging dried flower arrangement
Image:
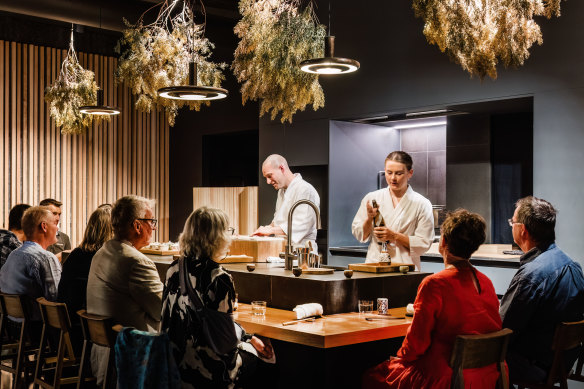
157 55
74 88
477 34
275 37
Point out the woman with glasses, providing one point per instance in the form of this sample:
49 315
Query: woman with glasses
459 300
204 241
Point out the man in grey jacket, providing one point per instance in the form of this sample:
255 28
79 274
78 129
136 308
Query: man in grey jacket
123 283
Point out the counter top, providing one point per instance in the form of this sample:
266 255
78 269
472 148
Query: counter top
329 331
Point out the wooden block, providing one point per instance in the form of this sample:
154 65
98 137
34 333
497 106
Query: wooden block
319 270
379 267
259 249
159 252
236 259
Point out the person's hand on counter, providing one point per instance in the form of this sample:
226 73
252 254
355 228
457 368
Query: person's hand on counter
269 230
263 346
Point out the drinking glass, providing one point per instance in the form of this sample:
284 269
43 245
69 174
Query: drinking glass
365 306
236 302
258 308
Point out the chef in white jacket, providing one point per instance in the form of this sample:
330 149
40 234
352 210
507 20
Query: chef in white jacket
291 188
409 222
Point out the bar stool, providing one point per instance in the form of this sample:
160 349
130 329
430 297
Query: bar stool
97 330
54 316
16 349
473 351
567 337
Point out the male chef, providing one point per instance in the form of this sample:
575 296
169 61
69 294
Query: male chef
291 188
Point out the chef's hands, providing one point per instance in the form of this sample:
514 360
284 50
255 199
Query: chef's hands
263 231
384 234
263 346
371 211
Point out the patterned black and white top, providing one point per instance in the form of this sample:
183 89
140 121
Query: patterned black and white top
8 243
198 365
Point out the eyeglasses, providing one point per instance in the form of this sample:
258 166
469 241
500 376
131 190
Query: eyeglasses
152 222
231 230
511 222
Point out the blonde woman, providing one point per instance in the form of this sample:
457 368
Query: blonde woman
204 241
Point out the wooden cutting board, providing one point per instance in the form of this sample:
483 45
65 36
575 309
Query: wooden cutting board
159 252
236 259
379 267
317 270
259 249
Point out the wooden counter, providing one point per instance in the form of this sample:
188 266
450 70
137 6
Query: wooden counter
329 331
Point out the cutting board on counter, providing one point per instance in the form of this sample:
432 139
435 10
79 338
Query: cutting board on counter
317 270
236 259
159 252
379 267
258 248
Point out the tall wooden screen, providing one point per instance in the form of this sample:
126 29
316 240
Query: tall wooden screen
128 155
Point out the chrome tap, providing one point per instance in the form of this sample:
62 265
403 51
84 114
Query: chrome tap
289 257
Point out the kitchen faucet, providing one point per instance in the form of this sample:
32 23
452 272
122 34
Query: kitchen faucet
289 257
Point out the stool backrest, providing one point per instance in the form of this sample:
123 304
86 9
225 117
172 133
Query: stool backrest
98 329
474 351
567 337
13 305
55 314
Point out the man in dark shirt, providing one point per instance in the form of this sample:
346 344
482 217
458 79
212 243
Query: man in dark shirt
547 289
12 238
63 241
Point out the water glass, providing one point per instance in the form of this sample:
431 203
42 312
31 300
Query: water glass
236 302
258 308
365 306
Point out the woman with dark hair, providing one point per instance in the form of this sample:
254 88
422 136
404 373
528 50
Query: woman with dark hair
459 300
75 272
204 241
408 223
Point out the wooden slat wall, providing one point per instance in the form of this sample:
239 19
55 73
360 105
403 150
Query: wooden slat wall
128 155
239 203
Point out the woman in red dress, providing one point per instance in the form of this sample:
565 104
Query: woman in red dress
458 300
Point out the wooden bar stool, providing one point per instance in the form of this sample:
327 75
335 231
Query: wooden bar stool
567 337
55 316
16 349
97 330
473 351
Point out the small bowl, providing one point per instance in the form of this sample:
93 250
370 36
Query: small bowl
348 273
297 271
250 267
404 269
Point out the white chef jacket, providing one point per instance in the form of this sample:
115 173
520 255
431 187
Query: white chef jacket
304 218
413 217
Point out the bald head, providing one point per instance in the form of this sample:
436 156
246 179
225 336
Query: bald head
276 171
275 161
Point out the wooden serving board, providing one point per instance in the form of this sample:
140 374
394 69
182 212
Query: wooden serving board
317 270
379 267
236 259
159 252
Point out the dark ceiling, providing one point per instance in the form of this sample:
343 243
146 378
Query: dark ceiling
109 12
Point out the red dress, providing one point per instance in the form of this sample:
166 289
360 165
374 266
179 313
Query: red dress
447 305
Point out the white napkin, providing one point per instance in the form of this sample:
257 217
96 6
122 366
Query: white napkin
410 309
275 260
305 310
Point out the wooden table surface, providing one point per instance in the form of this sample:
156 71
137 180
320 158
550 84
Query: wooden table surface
329 331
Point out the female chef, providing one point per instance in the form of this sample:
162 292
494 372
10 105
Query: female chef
407 215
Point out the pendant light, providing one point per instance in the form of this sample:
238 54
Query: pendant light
329 64
100 108
192 91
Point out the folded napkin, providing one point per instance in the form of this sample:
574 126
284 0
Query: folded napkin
410 309
306 310
275 260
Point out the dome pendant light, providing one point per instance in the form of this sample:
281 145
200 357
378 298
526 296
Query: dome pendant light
192 91
329 64
99 108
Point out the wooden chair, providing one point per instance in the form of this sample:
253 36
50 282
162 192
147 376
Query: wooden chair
567 337
474 351
55 316
97 330
16 349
